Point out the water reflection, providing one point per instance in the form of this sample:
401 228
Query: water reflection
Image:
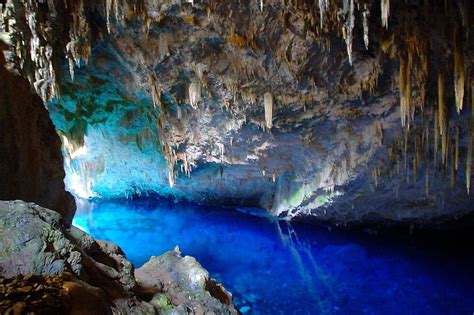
275 267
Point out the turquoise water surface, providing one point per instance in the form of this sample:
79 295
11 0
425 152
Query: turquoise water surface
273 267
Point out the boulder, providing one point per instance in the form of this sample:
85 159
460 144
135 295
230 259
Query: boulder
183 282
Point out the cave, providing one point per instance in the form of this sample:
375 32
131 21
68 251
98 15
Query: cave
236 157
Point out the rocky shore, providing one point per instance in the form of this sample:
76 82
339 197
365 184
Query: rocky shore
48 267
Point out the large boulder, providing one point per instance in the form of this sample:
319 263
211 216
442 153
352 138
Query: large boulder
182 281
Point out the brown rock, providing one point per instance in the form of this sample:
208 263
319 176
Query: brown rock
18 308
30 149
25 289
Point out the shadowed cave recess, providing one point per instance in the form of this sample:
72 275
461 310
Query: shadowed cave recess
269 139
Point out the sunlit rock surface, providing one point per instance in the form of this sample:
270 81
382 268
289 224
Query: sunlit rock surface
186 283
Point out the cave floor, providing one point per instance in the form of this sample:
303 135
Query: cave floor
274 267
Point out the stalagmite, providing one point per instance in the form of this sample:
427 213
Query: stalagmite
194 94
385 9
365 16
268 103
459 70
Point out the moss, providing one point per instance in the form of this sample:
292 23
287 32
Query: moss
162 302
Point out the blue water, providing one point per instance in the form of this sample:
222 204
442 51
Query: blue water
273 267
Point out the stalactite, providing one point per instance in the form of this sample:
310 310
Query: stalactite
385 10
456 148
415 171
194 94
365 22
3 18
459 70
261 5
398 164
404 90
268 104
108 8
444 148
416 159
375 178
155 92
322 10
469 161
442 117
179 112
422 80
221 151
470 140
436 138
453 170
427 181
171 177
348 27
405 149
163 45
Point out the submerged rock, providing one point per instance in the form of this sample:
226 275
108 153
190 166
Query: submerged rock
92 277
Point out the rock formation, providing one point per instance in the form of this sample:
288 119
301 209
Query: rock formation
371 101
31 164
46 266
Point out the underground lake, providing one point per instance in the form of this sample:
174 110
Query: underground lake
210 157
277 267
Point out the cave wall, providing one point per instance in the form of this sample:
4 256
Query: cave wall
31 166
345 110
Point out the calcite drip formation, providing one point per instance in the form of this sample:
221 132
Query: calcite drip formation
431 137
